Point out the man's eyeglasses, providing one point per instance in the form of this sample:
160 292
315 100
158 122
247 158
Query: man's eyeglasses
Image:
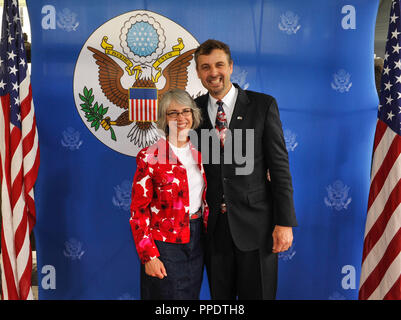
175 114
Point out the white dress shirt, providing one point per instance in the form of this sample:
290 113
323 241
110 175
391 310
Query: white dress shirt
228 105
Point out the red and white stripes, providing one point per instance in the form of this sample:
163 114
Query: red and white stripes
381 262
143 110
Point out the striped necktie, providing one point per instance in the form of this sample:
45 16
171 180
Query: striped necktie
221 122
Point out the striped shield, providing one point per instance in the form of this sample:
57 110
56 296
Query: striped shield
143 104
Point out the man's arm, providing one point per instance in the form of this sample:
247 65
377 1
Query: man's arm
281 181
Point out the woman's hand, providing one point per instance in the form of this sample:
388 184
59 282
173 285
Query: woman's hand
155 268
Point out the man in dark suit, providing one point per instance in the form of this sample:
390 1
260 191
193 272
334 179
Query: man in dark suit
251 210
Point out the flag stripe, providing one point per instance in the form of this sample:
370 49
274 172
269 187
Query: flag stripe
9 280
381 129
379 226
388 280
149 103
141 108
150 107
25 283
5 137
24 262
394 292
15 137
19 222
386 164
129 110
377 207
10 291
133 111
32 173
31 161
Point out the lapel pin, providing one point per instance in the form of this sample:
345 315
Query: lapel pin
239 118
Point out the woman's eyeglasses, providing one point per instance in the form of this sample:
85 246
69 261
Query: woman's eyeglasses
175 114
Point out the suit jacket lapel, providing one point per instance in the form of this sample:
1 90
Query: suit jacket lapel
240 109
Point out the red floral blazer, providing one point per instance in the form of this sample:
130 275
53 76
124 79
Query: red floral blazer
160 199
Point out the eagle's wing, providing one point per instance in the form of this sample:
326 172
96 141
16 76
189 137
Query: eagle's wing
110 74
176 72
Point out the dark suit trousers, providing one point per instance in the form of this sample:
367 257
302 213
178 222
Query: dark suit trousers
235 274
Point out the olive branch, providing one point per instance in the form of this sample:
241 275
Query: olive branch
96 113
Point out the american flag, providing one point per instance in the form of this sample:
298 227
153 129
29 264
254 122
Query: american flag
143 104
381 260
19 155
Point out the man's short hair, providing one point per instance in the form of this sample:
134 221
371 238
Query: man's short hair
208 46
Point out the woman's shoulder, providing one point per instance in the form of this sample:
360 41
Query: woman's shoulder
152 150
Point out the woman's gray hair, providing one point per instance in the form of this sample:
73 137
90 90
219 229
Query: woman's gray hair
182 97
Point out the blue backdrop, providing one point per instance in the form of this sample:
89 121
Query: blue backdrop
315 57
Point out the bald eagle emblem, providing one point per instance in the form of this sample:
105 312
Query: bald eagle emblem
150 52
337 196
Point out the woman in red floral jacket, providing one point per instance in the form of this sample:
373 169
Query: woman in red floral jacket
168 209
